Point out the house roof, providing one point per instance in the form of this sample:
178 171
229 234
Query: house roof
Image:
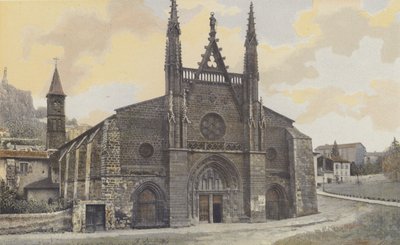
329 147
338 159
24 154
42 184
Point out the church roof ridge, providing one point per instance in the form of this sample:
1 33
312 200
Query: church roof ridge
140 103
277 113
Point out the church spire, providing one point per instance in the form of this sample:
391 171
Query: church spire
4 80
173 57
251 58
55 86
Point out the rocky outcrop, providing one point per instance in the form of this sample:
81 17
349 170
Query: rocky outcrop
18 114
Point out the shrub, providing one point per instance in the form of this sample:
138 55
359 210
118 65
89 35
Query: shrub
11 204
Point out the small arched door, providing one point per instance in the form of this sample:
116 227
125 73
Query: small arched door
276 205
148 210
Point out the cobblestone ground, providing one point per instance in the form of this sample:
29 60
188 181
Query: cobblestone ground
261 233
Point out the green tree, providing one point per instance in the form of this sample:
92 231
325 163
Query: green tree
7 198
391 162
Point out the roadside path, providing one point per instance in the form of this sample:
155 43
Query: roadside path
392 204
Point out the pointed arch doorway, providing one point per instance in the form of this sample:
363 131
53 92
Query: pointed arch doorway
276 203
214 195
149 207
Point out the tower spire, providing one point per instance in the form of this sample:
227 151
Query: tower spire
4 80
173 58
251 58
55 86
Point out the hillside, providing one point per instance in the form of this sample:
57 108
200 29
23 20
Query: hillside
18 115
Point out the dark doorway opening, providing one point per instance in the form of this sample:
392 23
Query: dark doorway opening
95 218
217 209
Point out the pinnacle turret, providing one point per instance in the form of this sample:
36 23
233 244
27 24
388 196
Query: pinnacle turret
173 56
251 59
251 37
173 22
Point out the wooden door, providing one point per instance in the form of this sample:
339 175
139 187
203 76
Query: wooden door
204 212
147 213
272 205
95 218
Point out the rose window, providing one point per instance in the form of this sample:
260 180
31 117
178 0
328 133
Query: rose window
212 126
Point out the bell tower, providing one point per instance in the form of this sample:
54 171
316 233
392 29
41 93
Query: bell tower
55 113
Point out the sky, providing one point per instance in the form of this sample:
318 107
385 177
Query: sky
331 65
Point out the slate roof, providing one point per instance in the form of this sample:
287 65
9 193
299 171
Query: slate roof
56 87
24 154
324 147
42 184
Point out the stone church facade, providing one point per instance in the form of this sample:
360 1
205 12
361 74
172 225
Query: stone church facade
207 151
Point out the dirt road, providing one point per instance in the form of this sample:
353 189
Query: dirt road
333 212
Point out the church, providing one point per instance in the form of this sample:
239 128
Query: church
207 151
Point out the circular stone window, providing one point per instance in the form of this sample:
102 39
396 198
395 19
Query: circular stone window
271 153
146 150
212 126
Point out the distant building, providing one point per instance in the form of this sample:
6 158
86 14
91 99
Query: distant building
20 144
75 131
323 169
373 157
25 170
353 152
331 167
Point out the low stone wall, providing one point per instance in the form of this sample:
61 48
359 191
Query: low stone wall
42 222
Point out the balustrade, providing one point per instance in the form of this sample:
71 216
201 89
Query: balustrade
211 76
212 145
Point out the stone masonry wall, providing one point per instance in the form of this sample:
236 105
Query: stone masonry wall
302 173
276 139
142 123
205 98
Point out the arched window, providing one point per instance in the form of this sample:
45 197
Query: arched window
210 181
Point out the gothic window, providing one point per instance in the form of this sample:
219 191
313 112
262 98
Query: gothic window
212 126
146 150
271 153
210 181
